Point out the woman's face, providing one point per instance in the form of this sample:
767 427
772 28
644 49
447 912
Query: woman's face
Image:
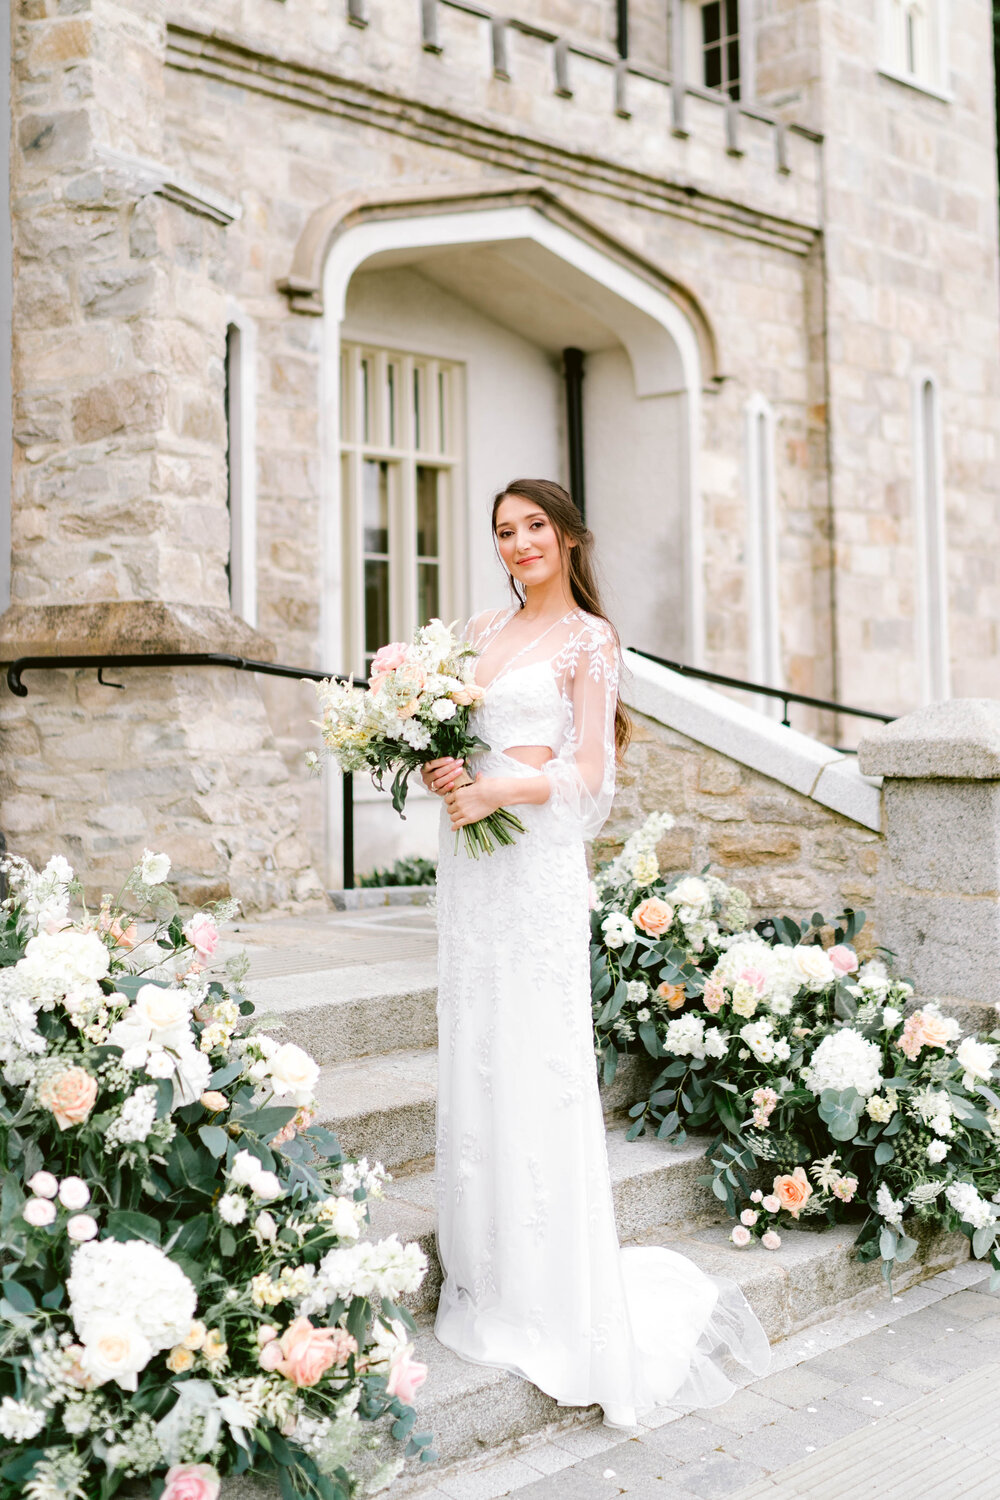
528 541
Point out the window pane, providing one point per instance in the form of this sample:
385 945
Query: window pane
732 17
733 67
417 414
713 67
390 403
711 22
376 606
428 594
442 429
376 506
366 400
427 511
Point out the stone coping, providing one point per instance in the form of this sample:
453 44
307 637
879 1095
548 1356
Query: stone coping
127 627
796 760
957 740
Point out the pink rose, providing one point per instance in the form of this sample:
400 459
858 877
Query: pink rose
69 1095
203 935
844 959
386 660
406 1375
755 978
308 1352
740 1236
271 1355
192 1482
771 1239
749 1217
770 1204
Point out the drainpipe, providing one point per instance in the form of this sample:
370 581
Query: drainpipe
573 375
622 37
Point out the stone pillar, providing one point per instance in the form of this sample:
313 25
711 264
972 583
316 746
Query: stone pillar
120 525
939 878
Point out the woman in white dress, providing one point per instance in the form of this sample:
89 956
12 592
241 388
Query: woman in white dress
535 1281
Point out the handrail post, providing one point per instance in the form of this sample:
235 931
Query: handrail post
347 818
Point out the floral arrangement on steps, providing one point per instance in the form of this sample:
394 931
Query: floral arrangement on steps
814 1073
185 1293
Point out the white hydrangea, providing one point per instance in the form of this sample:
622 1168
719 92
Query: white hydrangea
416 734
716 1042
136 1120
134 1282
844 1060
969 1205
933 1106
43 896
685 1036
232 1208
638 992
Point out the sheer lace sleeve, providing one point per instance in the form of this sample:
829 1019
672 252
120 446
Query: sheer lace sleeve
582 774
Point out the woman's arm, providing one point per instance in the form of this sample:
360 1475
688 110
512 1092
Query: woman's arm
467 804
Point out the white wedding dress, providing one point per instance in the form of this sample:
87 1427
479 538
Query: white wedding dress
535 1280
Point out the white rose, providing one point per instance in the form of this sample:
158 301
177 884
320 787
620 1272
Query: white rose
691 892
266 1227
193 1071
444 709
153 870
891 1017
813 967
977 1058
293 1071
38 1212
114 1349
74 1193
266 1187
81 1227
163 1009
44 1185
245 1169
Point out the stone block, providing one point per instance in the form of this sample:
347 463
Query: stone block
946 945
52 140
718 777
943 836
135 404
755 847
959 738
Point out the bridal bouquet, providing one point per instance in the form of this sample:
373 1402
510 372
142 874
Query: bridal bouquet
416 708
185 1292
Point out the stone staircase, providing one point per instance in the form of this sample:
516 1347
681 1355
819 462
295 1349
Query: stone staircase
372 1028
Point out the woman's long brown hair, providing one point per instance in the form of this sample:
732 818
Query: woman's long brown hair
579 558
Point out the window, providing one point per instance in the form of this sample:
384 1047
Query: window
712 44
241 466
762 543
399 446
913 38
931 543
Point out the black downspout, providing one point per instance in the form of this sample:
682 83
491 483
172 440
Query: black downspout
573 375
622 37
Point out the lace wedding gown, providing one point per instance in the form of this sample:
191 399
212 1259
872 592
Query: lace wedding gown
535 1280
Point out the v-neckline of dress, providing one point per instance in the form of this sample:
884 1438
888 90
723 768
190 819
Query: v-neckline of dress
511 614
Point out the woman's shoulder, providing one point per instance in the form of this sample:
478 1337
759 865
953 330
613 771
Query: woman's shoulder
594 630
483 621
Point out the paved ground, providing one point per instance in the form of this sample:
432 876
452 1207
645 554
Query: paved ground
893 1402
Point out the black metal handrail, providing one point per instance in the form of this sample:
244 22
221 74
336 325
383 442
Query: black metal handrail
785 695
200 659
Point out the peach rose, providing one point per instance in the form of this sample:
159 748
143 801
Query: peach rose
935 1031
70 1096
671 995
653 916
212 1099
192 1482
124 937
467 694
406 1375
793 1191
844 959
308 1352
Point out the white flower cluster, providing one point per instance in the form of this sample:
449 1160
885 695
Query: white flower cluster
970 1206
19 1420
385 1268
844 1060
358 1174
933 1107
638 857
61 967
773 975
155 1035
766 1047
618 930
280 1068
134 1121
128 1301
890 1208
41 895
247 1171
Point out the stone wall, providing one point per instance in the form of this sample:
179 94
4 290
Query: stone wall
788 852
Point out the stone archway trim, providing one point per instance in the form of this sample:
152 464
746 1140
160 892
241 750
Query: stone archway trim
303 285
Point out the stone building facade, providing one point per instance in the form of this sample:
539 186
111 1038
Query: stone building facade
293 282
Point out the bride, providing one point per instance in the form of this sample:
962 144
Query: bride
535 1281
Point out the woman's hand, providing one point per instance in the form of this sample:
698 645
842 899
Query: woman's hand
475 800
439 776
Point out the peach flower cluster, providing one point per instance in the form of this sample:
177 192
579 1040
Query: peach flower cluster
927 1028
304 1353
69 1096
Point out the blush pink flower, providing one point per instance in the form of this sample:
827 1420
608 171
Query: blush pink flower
740 1236
756 978
844 959
386 660
771 1239
69 1096
844 1188
771 1204
308 1352
192 1482
715 995
406 1376
203 935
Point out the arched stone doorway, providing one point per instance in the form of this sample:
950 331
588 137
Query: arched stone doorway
477 294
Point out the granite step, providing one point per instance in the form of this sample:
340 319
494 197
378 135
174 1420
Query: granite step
383 1106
